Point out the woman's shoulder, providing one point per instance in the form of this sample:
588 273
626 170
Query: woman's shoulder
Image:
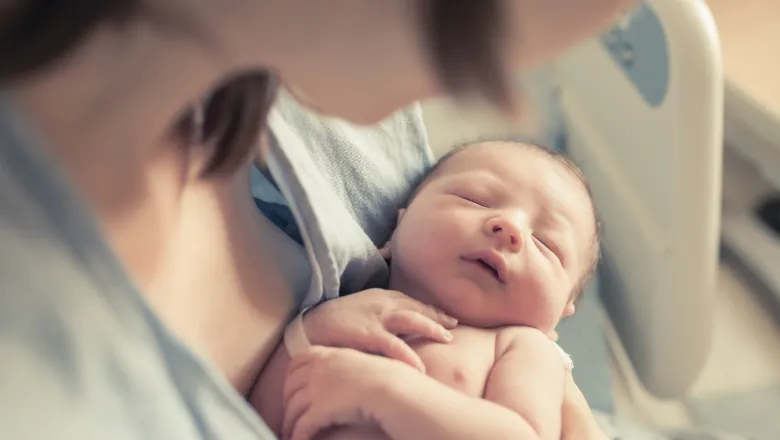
82 354
80 350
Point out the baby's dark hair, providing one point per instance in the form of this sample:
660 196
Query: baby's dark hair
554 156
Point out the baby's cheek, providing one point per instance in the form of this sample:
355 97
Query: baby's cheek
417 248
537 295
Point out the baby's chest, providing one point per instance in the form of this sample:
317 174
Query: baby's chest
463 364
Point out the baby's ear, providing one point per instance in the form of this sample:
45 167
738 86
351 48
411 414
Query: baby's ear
384 251
569 309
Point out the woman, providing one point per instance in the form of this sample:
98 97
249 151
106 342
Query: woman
141 291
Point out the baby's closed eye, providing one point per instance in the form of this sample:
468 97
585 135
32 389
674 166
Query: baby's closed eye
476 196
476 200
551 247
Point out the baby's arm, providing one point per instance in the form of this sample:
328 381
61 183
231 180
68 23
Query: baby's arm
367 321
529 378
523 397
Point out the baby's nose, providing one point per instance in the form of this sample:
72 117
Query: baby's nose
507 233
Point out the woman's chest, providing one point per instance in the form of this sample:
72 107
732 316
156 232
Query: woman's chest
463 364
229 281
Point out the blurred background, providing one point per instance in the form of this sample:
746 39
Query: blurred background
736 386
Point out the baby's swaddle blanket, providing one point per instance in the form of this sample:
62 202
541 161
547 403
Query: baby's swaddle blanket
344 185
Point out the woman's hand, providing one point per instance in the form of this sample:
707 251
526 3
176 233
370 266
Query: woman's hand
372 321
328 387
578 422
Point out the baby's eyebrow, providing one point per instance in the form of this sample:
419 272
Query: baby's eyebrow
480 175
559 220
485 181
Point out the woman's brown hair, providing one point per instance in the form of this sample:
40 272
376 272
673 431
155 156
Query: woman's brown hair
463 37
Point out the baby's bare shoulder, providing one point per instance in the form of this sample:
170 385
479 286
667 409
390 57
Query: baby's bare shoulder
525 339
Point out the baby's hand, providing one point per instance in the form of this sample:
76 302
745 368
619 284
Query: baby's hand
372 321
328 387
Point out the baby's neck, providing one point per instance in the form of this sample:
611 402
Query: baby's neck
415 290
410 289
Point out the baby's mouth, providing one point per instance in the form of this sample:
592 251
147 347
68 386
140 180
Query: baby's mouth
489 268
489 265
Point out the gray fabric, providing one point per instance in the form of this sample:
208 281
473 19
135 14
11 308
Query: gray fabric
82 355
345 185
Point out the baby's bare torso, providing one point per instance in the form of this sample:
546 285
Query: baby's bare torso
464 364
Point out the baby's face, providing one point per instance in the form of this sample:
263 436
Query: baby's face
499 236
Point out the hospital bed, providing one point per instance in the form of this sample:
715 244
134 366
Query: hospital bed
752 131
640 110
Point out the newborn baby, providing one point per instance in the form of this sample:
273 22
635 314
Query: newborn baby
503 237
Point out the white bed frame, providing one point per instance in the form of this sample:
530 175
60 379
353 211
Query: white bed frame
655 166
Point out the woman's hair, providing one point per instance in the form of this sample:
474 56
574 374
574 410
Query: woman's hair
463 37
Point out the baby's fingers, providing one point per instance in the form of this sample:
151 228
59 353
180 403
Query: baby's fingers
305 429
294 409
393 347
298 374
431 312
407 322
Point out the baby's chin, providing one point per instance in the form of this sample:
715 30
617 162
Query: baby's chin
486 321
485 310
471 305
465 302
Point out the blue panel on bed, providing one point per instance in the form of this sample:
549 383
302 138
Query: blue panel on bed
638 46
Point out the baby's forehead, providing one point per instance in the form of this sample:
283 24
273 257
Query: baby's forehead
522 169
515 165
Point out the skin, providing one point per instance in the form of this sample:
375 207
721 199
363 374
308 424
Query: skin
193 246
504 202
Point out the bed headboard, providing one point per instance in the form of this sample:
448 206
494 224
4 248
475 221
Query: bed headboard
643 109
